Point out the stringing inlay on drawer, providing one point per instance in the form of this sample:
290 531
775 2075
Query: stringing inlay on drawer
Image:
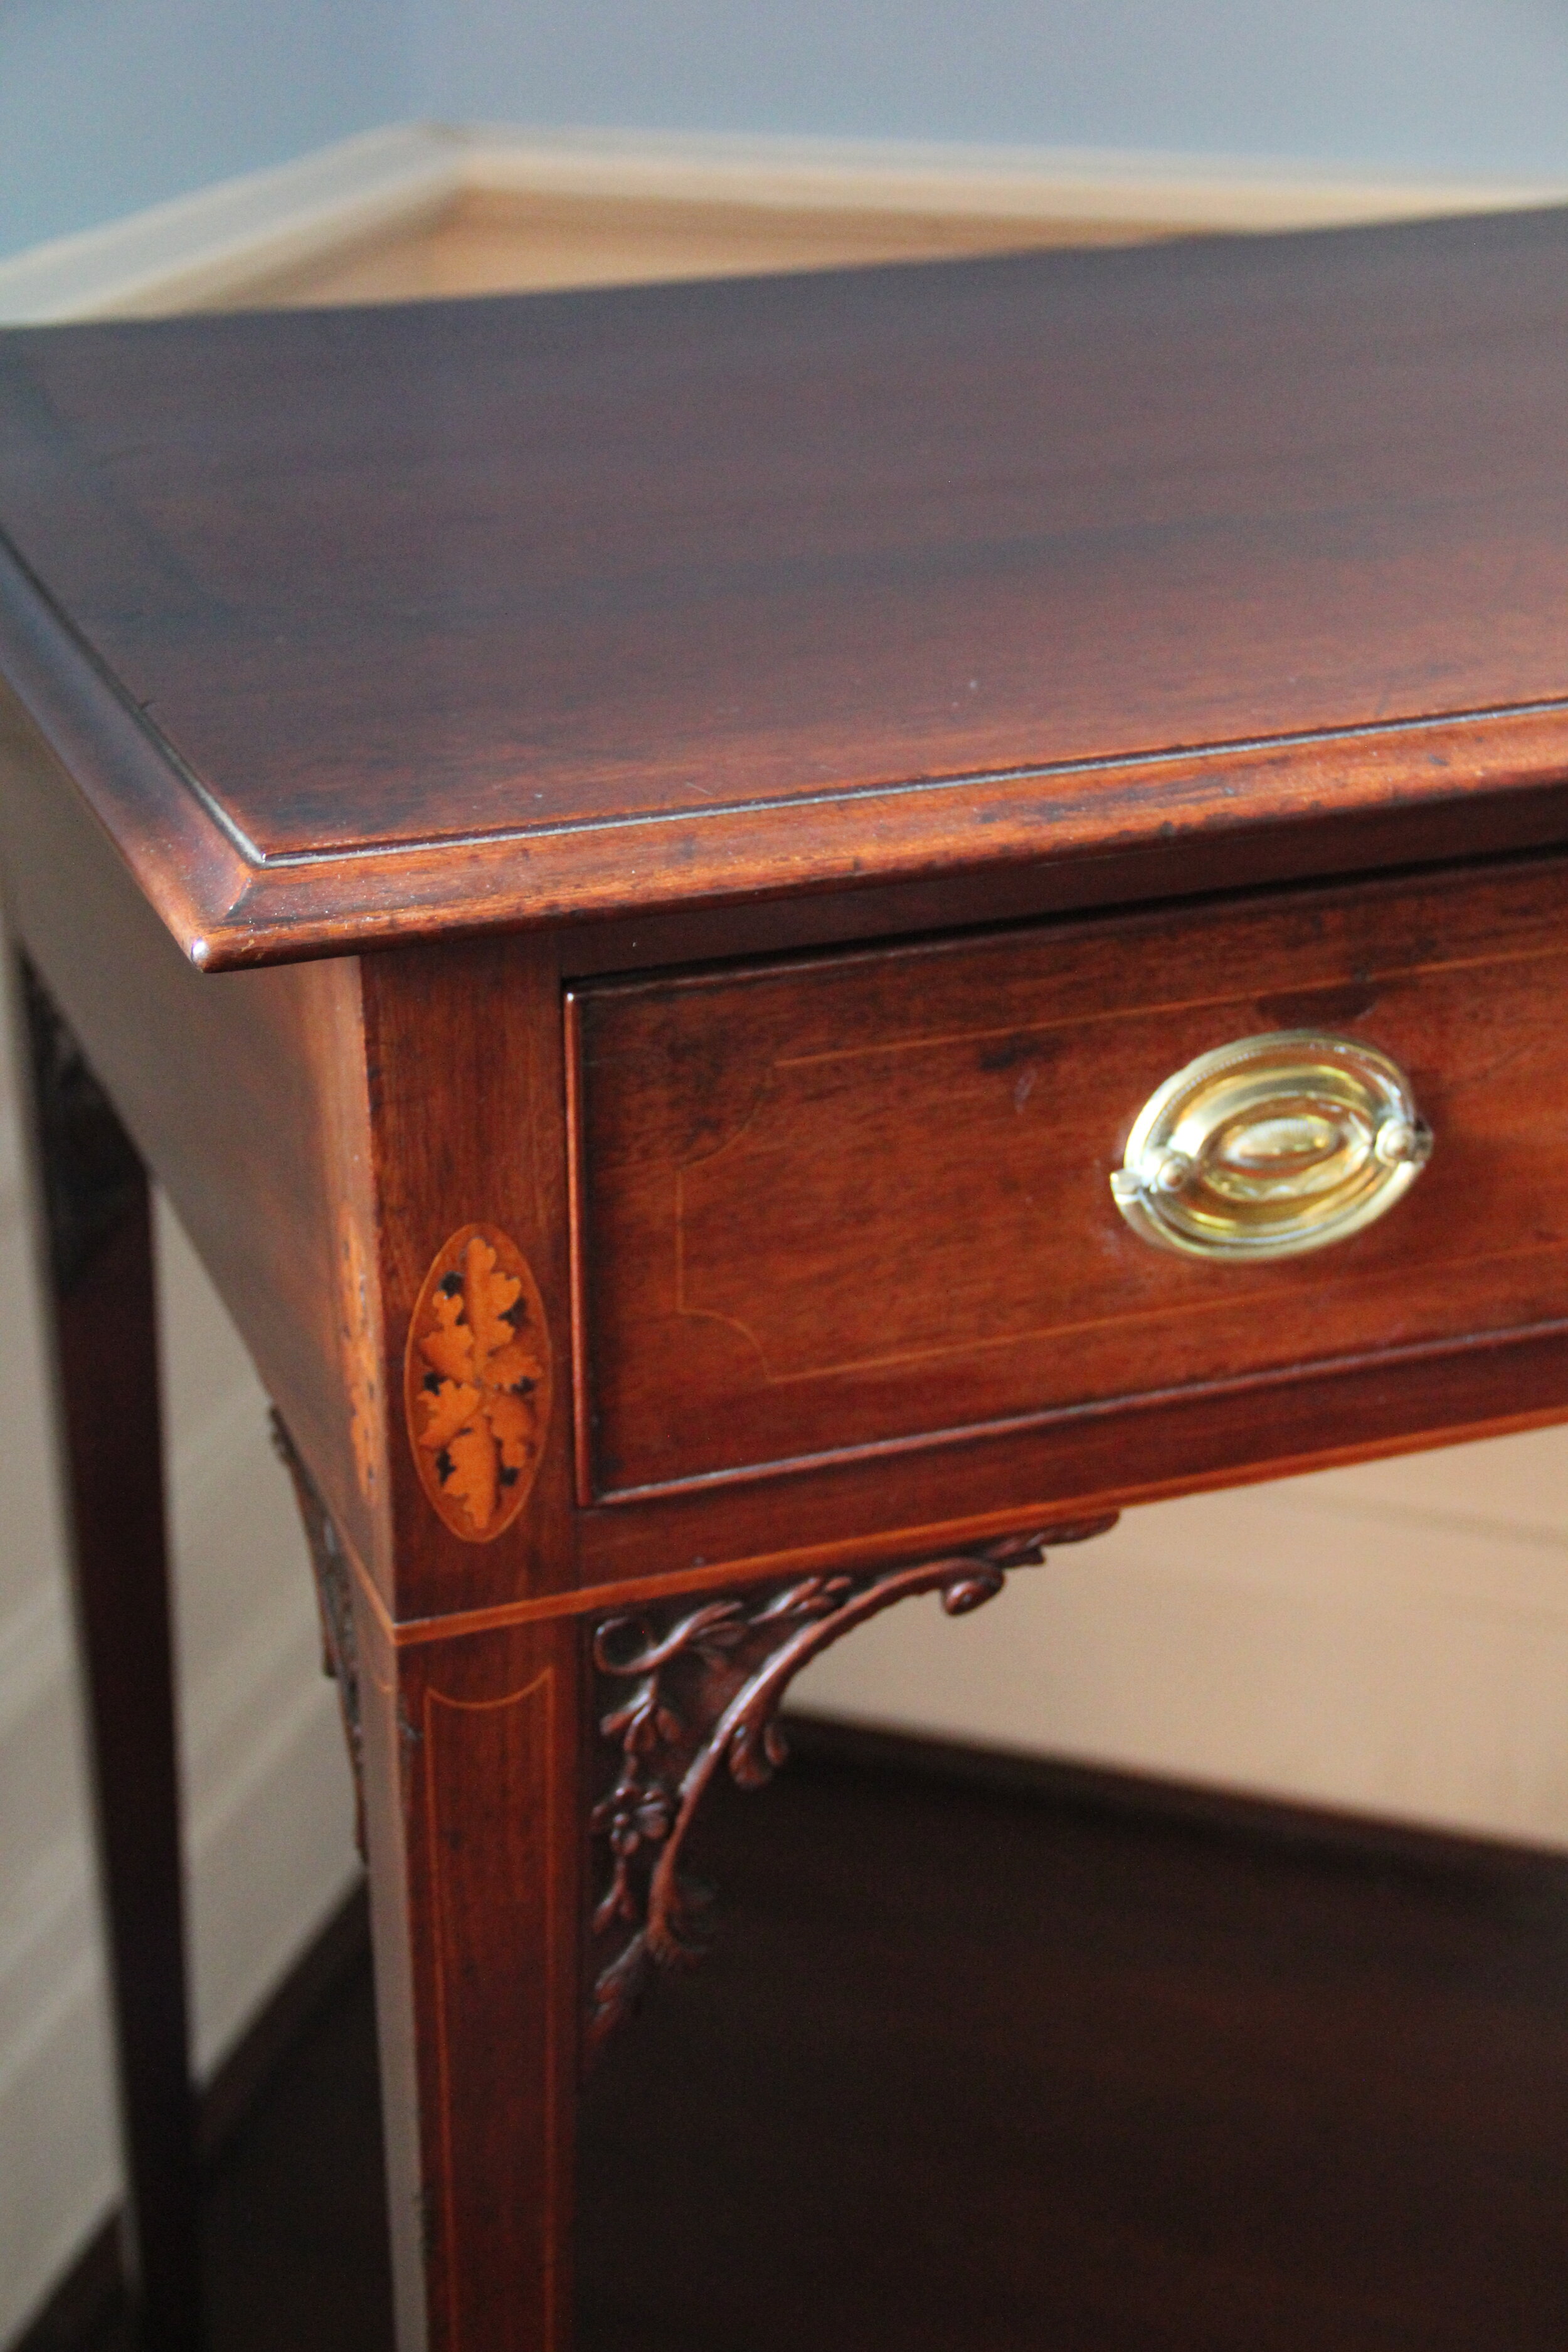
864 1201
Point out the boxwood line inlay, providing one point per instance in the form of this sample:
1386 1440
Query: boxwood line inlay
706 1686
813 811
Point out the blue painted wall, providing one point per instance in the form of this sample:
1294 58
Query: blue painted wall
1439 85
108 105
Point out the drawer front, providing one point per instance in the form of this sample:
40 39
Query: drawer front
864 1201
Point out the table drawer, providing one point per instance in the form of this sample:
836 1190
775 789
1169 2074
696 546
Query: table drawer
863 1202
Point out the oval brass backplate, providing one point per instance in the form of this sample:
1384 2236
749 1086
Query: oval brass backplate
1271 1146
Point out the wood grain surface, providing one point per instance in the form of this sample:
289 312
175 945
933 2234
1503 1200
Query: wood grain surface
464 1047
995 2053
835 1204
246 1097
756 616
447 615
474 1812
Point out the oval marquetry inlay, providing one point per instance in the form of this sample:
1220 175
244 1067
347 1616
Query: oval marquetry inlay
478 1382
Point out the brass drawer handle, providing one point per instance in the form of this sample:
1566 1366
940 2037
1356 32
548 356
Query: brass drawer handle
1271 1146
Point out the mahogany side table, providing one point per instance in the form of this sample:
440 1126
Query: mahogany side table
782 941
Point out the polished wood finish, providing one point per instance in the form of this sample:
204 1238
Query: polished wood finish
248 1101
835 1205
93 1204
1067 2073
474 1810
620 602
464 1049
993 2052
742 791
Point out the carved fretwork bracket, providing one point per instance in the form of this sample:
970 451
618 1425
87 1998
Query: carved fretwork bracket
335 1598
692 1690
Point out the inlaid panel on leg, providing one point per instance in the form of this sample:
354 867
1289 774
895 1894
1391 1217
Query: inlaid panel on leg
473 1807
493 1852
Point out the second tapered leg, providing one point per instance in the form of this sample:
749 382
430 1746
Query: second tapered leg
102 1312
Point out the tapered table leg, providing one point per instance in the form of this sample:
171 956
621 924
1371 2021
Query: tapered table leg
93 1197
476 1836
466 1747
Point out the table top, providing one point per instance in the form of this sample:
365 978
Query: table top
367 623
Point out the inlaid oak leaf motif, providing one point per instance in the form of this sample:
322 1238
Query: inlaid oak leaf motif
479 1382
449 1408
470 1473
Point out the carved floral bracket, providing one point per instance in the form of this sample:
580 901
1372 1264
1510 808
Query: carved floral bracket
696 1692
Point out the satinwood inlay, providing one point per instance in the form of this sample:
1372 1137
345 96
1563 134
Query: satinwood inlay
477 1379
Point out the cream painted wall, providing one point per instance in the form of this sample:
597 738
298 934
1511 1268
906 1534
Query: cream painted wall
109 105
1451 85
1391 1639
